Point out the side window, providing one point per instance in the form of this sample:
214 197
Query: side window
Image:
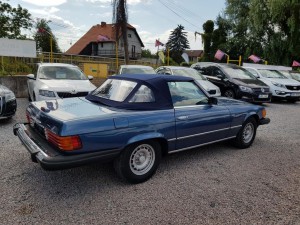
143 94
186 94
161 71
206 71
217 72
168 72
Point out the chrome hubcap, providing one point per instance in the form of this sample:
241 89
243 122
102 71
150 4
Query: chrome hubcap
142 159
248 132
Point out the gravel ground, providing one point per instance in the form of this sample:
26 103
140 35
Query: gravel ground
217 184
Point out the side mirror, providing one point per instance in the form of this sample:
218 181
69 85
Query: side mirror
212 101
90 77
30 76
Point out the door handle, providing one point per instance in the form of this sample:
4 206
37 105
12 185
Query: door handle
182 117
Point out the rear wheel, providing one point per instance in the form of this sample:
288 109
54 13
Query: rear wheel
138 162
292 100
229 93
246 135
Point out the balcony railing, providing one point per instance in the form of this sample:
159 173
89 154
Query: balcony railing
112 53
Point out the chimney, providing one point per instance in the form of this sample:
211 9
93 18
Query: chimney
103 24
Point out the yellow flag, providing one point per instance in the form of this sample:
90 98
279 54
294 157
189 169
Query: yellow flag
161 56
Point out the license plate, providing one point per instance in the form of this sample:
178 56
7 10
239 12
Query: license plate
263 96
295 94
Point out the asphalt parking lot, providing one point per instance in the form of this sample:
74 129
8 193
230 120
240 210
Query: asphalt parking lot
216 184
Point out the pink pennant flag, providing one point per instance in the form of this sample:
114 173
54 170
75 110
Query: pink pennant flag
102 38
295 63
254 58
219 55
158 43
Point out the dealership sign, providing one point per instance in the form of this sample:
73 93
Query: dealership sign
17 48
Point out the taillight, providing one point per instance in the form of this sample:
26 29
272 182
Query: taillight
28 117
264 113
65 143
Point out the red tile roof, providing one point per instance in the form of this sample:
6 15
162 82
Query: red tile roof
103 29
194 53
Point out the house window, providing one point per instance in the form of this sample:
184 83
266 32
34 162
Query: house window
129 35
101 45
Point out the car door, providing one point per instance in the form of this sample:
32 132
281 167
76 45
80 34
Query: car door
197 121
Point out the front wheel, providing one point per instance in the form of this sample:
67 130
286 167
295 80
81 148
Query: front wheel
229 93
138 162
246 135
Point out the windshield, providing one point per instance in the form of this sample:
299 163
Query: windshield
295 75
61 73
189 72
271 74
116 90
239 73
137 70
286 74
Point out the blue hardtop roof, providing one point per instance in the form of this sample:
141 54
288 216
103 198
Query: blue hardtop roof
149 78
157 83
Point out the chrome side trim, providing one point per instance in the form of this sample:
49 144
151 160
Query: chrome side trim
195 146
208 132
172 139
236 127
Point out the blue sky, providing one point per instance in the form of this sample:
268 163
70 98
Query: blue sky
153 19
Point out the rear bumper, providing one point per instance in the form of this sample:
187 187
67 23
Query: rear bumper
264 121
51 159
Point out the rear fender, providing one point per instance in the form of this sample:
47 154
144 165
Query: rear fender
144 137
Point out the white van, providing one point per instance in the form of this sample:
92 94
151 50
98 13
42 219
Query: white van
282 87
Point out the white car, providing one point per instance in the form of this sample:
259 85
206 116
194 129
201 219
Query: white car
136 69
58 80
282 87
212 89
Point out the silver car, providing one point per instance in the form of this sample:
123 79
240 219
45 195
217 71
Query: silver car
212 89
58 80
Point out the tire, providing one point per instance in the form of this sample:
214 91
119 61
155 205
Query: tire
138 162
229 93
29 98
246 135
292 100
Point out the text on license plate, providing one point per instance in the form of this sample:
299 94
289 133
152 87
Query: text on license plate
263 96
295 94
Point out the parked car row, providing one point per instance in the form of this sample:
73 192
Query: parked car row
255 83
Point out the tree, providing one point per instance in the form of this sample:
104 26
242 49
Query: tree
208 28
12 20
120 17
177 43
146 53
44 37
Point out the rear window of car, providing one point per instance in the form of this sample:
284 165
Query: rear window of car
137 71
239 73
143 94
115 90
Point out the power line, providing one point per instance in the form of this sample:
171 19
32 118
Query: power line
178 14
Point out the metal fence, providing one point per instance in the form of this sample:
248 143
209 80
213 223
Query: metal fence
19 66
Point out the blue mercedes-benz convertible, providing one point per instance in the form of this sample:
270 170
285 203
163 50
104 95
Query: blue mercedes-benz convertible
134 120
